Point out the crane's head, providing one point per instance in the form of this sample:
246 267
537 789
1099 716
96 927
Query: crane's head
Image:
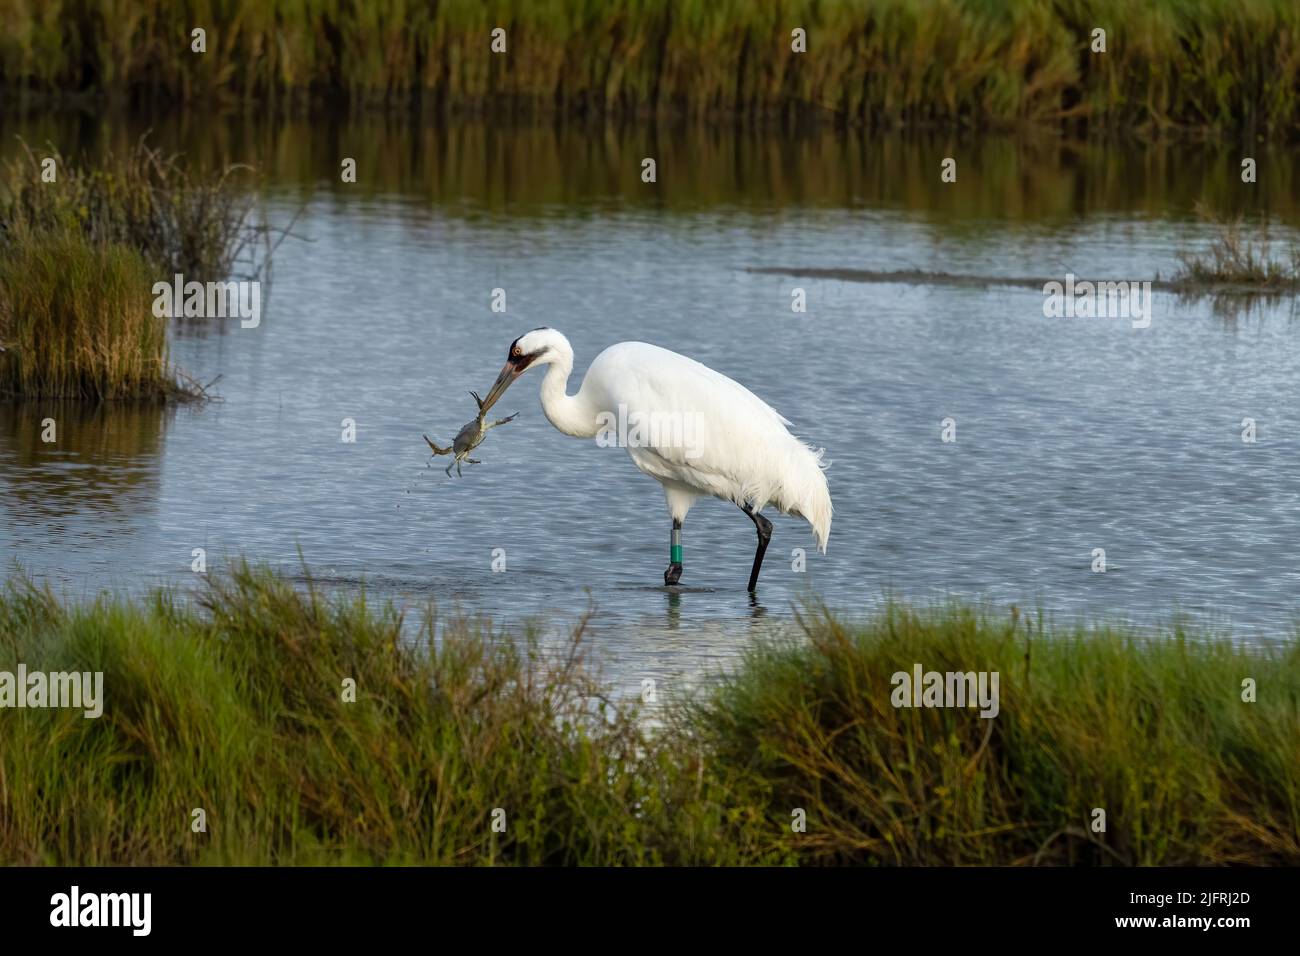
538 347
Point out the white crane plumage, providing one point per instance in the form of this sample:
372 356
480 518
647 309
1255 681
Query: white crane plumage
691 428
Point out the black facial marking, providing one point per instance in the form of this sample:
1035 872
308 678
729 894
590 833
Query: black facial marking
519 360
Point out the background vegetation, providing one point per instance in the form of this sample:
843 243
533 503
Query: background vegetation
1168 63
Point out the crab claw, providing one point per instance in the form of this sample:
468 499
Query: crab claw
436 449
477 400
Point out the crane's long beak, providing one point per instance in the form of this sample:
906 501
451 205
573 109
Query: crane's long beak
508 375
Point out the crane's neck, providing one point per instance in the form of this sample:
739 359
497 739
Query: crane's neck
571 414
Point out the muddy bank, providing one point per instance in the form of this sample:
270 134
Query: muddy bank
922 277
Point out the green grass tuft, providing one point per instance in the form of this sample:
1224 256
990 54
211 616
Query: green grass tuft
1240 258
76 321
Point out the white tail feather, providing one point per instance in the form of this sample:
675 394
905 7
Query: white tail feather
805 493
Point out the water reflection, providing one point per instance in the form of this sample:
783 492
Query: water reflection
469 168
104 462
674 616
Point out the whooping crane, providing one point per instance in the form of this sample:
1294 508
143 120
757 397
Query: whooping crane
694 430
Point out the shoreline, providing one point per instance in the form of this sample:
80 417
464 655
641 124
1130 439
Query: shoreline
922 277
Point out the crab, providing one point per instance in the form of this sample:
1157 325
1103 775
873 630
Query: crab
469 438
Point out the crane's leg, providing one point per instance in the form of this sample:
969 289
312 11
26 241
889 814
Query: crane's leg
764 528
674 572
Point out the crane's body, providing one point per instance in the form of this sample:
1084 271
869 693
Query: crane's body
693 429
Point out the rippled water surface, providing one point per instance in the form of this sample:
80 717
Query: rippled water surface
1072 434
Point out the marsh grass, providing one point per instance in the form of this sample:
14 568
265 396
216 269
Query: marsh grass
76 321
201 225
1240 255
234 704
1151 730
79 257
1168 63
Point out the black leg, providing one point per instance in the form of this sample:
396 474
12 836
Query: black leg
764 528
674 572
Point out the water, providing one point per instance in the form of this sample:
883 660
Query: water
1072 434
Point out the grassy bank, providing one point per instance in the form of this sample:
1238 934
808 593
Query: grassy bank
238 709
1192 63
1153 732
237 705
